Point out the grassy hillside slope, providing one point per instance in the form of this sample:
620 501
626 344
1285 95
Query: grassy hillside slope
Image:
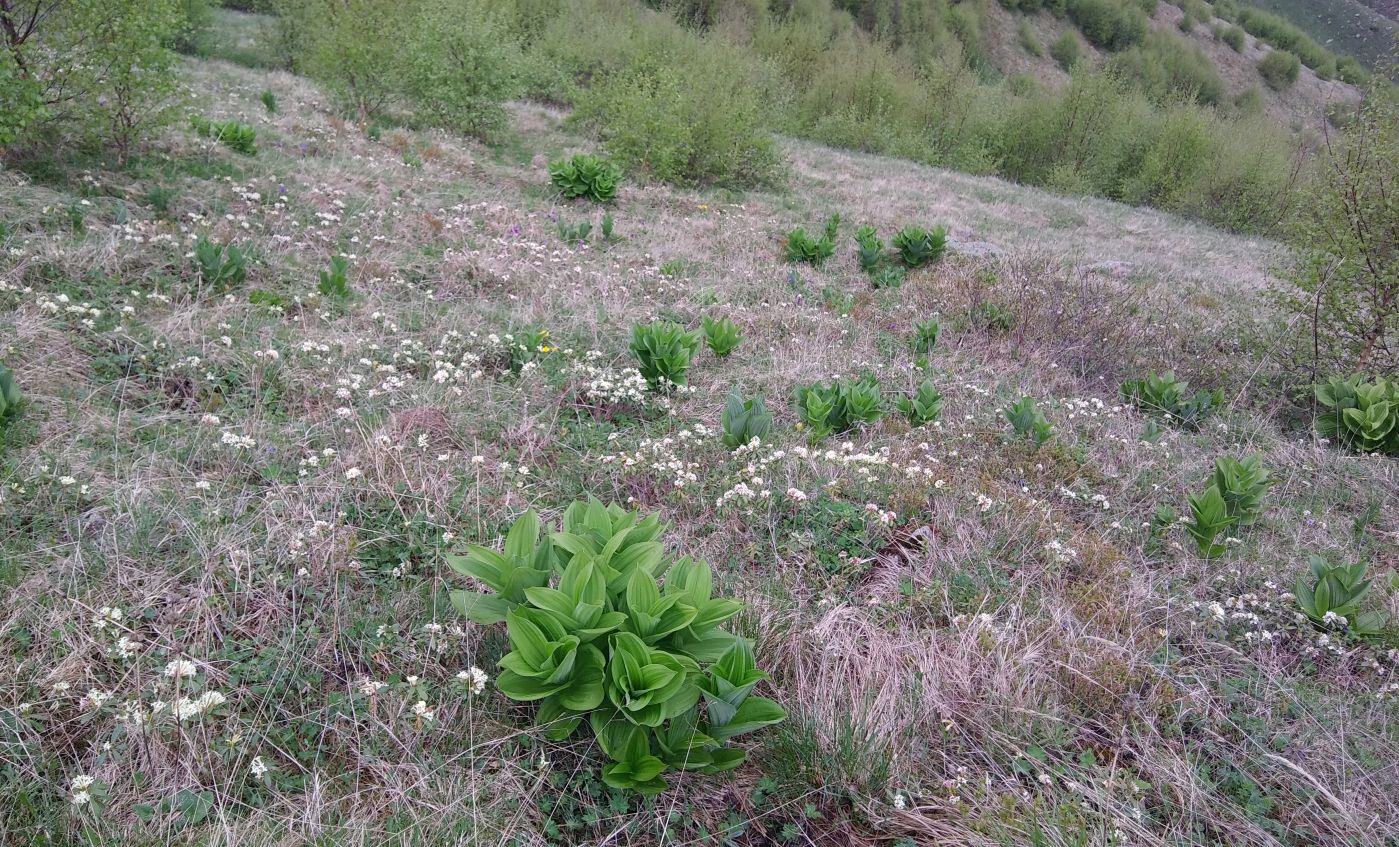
977 642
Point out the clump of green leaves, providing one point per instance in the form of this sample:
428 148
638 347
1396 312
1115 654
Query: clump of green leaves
744 420
838 407
888 276
869 249
1167 396
574 233
1242 485
924 407
925 337
1360 414
222 267
234 135
1028 421
1332 600
802 247
269 101
721 334
1209 516
993 318
335 282
587 176
664 350
918 246
9 395
1234 497
651 672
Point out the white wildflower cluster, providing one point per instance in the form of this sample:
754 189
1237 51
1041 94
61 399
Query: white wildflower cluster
80 790
474 679
236 441
664 457
605 385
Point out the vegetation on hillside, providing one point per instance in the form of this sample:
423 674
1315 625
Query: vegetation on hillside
356 489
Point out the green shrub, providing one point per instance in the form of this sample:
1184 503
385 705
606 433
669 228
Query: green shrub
664 350
924 406
744 420
888 276
721 334
89 71
1284 35
1360 415
571 233
592 177
222 267
705 125
1028 42
446 63
606 647
1279 69
918 247
234 135
1332 600
1167 396
839 407
1232 35
1066 50
802 247
269 101
1167 66
1028 422
1109 24
1343 285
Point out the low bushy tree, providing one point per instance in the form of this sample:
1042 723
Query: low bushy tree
1344 284
88 71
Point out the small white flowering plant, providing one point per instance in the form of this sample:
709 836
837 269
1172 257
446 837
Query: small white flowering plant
649 669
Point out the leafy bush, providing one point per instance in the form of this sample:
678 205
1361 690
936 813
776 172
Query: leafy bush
1344 283
1232 35
869 250
1279 69
1242 485
664 350
1109 24
685 122
269 101
607 647
448 63
1166 66
924 407
744 420
1028 422
721 334
917 246
1209 516
802 247
335 283
1285 35
1066 50
234 135
222 267
88 71
838 407
1167 396
1361 415
1332 600
586 176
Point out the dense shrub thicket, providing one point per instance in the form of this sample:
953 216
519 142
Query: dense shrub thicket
80 72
